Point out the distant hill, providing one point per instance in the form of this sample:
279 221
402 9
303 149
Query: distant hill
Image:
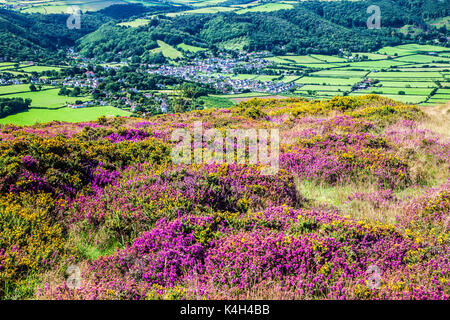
309 27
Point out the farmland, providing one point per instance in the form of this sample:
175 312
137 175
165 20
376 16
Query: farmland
167 50
47 105
224 150
408 73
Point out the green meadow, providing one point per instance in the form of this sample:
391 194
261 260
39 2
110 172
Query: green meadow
187 47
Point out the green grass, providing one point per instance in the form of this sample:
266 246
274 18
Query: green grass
405 84
241 76
328 58
320 94
411 75
300 59
264 78
375 65
410 49
445 21
135 23
404 99
316 65
167 50
289 78
187 47
395 91
268 7
201 10
204 3
340 73
216 102
328 81
324 88
14 89
420 58
46 98
39 69
242 95
33 116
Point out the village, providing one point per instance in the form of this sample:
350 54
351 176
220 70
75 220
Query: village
223 74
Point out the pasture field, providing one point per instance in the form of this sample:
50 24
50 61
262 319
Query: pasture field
61 6
315 65
299 59
47 106
401 98
440 22
375 65
200 3
328 81
327 58
340 73
289 78
216 102
405 84
5 90
321 94
46 99
39 68
33 115
325 88
167 50
187 47
135 23
395 91
420 58
201 10
265 78
415 70
268 7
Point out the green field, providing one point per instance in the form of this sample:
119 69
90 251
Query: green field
25 68
298 59
410 76
201 10
216 102
135 23
328 81
47 106
268 7
47 98
61 6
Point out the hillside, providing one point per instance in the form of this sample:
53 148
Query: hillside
307 27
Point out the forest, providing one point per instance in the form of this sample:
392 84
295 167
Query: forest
309 27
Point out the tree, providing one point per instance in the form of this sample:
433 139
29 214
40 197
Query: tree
33 87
